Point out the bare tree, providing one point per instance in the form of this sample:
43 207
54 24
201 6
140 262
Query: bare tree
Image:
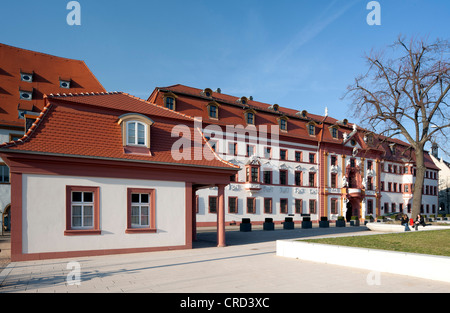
405 94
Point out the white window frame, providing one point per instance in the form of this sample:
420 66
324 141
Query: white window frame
140 205
136 133
83 204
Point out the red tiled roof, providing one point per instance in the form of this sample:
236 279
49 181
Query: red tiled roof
47 70
193 102
87 126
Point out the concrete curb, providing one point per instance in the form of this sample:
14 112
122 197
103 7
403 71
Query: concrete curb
410 264
382 227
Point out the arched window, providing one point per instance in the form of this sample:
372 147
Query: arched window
135 129
136 133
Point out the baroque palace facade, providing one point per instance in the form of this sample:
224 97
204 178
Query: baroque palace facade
296 164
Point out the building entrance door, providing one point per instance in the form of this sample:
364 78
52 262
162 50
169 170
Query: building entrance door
348 215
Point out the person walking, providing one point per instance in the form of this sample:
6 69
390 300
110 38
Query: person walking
405 222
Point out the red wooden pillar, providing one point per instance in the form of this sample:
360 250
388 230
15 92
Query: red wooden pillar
221 216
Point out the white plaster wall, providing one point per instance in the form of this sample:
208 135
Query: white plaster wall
274 192
44 214
5 196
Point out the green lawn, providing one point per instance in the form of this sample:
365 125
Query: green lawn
436 242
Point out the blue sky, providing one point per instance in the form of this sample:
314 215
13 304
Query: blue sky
300 54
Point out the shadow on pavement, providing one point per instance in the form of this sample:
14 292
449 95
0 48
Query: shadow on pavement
208 238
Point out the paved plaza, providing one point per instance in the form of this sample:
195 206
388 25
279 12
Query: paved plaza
247 265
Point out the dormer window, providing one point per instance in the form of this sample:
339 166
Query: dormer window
282 122
170 103
213 110
26 77
136 133
207 92
64 84
250 117
311 128
242 100
136 130
334 131
26 95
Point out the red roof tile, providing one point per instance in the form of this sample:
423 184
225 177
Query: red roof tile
87 126
47 70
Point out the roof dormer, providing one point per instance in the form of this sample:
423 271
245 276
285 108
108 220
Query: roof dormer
135 132
302 114
283 123
207 92
242 100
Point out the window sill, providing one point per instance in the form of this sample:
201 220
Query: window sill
140 230
82 232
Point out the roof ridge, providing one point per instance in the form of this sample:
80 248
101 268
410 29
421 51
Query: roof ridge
31 130
160 107
40 53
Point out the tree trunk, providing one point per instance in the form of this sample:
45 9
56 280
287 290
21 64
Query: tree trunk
419 181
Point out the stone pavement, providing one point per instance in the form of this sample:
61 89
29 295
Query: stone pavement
247 265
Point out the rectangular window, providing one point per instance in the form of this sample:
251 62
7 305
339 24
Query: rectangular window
312 158
283 154
212 204
82 210
334 203
232 148
369 165
311 130
140 203
369 206
283 177
4 173
141 210
312 179
250 150
333 160
268 205
386 207
312 206
369 183
254 171
232 204
250 118
213 111
298 206
298 178
284 206
267 177
298 156
334 132
267 152
170 103
333 180
251 205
